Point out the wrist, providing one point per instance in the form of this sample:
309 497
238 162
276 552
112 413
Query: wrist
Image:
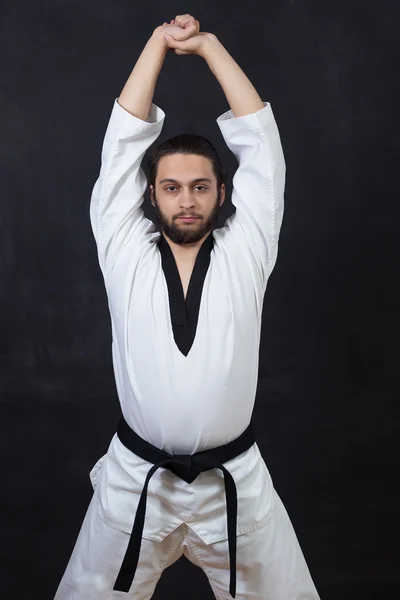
157 38
210 44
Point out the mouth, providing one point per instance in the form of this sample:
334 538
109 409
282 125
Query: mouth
187 219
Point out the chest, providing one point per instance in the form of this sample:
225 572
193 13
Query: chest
161 291
185 270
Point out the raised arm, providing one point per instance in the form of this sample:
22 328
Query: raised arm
137 94
135 123
251 133
239 91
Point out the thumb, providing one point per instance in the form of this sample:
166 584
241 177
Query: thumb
176 44
172 43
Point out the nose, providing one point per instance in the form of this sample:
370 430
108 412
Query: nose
186 200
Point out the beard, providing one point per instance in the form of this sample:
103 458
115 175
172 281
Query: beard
187 234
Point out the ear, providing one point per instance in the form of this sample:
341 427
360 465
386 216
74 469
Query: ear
222 194
152 194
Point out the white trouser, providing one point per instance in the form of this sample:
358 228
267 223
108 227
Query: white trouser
270 563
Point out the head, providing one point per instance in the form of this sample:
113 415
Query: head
186 179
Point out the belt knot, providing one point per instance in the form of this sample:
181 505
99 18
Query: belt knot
182 466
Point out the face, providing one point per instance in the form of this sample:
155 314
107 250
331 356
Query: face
186 186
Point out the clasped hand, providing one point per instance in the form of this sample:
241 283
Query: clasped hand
183 35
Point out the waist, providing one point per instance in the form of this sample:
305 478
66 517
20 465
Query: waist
186 466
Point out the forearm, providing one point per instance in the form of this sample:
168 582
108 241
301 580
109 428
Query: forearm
238 89
137 94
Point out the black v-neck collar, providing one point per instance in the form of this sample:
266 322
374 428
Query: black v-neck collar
185 313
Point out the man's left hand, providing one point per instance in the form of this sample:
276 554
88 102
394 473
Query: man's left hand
185 23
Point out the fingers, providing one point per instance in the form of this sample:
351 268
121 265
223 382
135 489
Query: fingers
182 27
187 20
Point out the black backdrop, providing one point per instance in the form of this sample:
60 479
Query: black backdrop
325 412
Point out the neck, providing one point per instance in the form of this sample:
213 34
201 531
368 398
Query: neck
186 252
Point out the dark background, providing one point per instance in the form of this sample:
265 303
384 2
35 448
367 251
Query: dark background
326 414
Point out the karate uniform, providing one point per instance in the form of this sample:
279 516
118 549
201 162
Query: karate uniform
186 375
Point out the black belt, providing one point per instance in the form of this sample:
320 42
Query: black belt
187 467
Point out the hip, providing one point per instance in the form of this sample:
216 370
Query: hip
119 476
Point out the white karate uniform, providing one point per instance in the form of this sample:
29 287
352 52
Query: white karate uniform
186 403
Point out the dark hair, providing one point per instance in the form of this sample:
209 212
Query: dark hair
187 144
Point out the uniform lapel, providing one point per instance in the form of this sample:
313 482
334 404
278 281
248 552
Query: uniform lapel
185 314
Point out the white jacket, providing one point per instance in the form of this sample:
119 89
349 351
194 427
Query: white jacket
186 403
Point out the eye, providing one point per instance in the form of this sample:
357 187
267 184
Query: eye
197 186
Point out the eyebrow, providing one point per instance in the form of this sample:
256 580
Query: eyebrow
193 181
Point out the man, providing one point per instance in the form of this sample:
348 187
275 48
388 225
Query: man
185 306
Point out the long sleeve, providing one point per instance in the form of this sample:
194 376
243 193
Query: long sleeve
258 185
115 207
